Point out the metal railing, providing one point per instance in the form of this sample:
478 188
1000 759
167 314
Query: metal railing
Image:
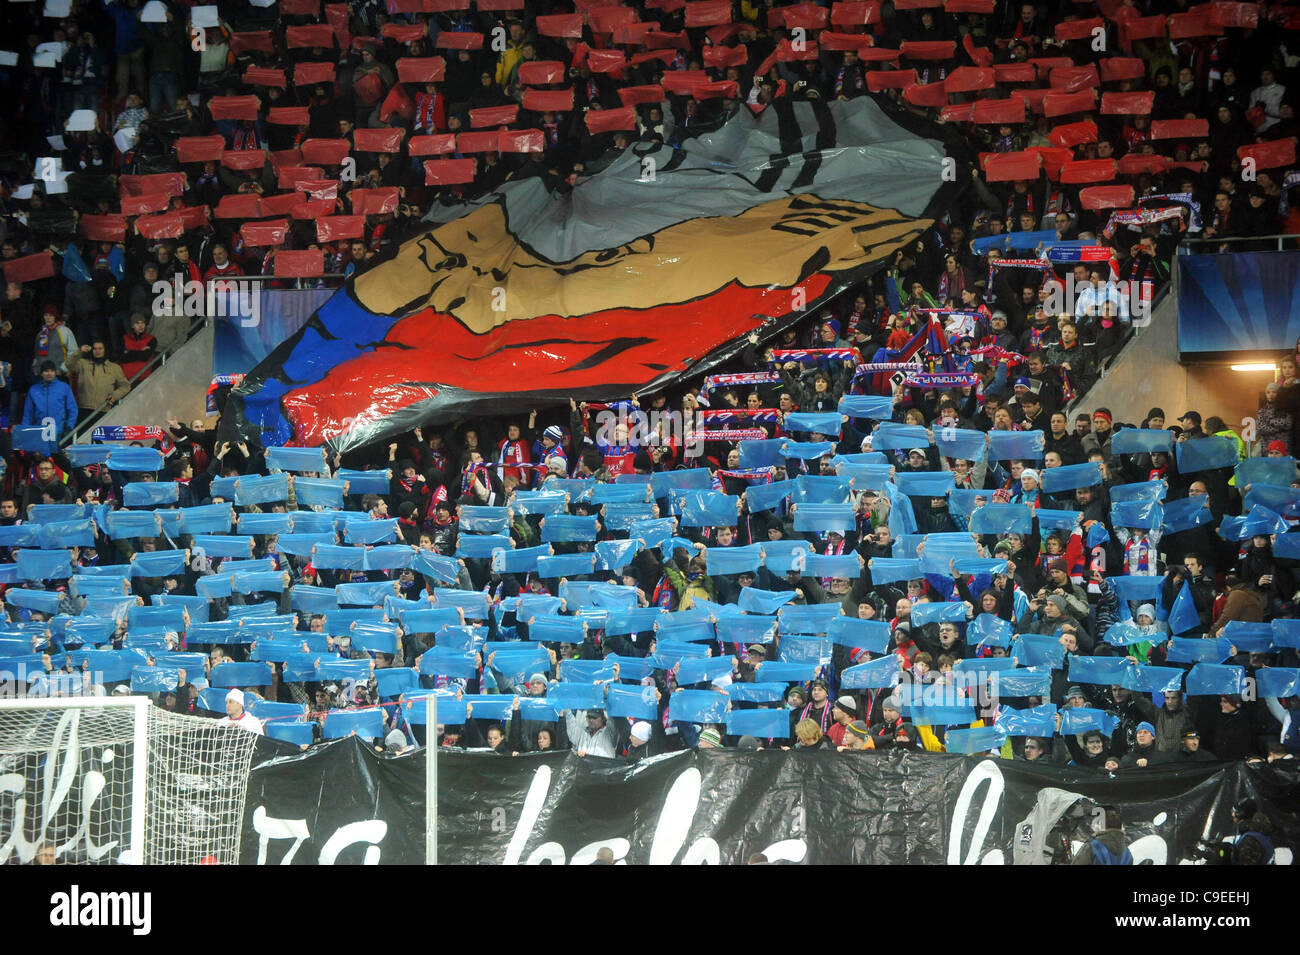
86 427
1231 240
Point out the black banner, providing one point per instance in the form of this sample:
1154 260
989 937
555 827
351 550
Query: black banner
341 803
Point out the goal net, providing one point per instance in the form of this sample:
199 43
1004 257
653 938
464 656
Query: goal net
88 780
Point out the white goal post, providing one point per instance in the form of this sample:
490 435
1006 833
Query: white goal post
116 779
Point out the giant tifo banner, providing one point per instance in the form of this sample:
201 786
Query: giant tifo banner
657 267
241 343
340 803
1238 303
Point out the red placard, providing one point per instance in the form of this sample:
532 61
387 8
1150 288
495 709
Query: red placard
723 89
300 8
450 40
979 55
1054 157
633 34
143 205
1033 98
499 4
1096 198
1062 104
1134 164
917 4
374 202
1180 128
1008 167
286 157
710 13
724 56
265 76
445 6
787 52
878 80
487 116
259 234
1116 68
309 74
658 40
1072 79
292 177
1274 155
1079 29
830 40
314 187
928 49
383 140
448 172
312 208
1015 73
1143 28
1240 15
168 225
1088 170
683 81
334 228
439 144
1045 64
309 37
552 101
540 72
606 61
239 205
259 40
561 26
299 263
805 16
969 6
997 112
1197 22
521 141
280 204
968 79
957 112
485 142
1073 134
243 160
325 152
927 94
194 217
200 148
855 13
288 116
233 107
404 32
172 183
606 19
635 95
108 228
1127 104
636 59
424 69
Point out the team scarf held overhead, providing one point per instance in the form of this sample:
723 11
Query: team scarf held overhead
730 434
128 432
744 378
218 382
735 415
807 356
1140 217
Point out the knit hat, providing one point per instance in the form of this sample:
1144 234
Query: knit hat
1030 473
395 741
1057 601
555 433
641 731
538 678
1146 726
236 695
858 729
1075 691
710 738
848 704
1148 609
1277 446
1056 563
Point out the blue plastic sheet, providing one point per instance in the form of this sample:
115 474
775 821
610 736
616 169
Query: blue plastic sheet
215 546
777 672
557 629
931 612
670 627
388 557
318 492
941 549
697 706
121 525
1002 519
826 423
746 629
465 639
1212 679
154 679
1260 521
44 564
440 661
578 696
1141 441
1126 633
1076 720
891 436
808 618
753 600
962 443
820 518
1286 633
367 724
1034 721
521 561
828 565
971 742
757 693
734 560
337 557
258 488
1140 514
1141 491
1050 520
299 460
663 483
567 527
865 477
1071 476
1187 513
870 635
761 454
621 517
296 734
1023 681
312 522
363 530
240 675
20 535
134 459
873 675
450 711
1103 671
1016 445
820 489
636 620
565 565
1278 471
924 483
886 570
703 671
807 450
989 630
158 563
1032 650
538 502
761 723
41 600
764 497
879 407
150 493
1248 637
169 618
207 519
1273 497
1153 679
632 702
365 482
709 509
1277 682
1204 454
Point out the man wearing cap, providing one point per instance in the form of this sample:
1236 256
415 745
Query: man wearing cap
1191 424
1144 755
1191 750
843 713
1099 439
710 738
236 715
1173 721
591 734
857 737
638 742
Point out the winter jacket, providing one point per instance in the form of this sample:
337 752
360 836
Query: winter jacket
97 381
52 400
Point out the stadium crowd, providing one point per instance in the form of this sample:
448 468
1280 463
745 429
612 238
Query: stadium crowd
881 530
